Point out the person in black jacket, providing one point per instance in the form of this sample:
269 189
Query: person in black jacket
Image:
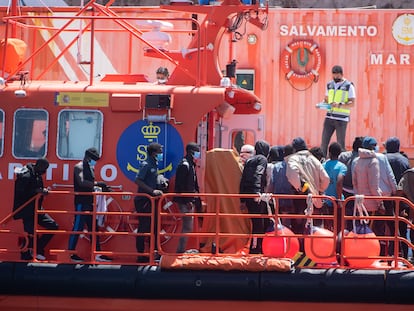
253 181
186 182
84 181
28 184
399 164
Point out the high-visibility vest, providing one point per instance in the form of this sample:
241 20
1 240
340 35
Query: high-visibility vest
339 95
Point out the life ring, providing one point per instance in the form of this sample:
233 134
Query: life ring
297 48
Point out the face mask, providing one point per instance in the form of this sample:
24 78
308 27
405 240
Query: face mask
159 157
337 80
197 154
162 81
376 148
92 162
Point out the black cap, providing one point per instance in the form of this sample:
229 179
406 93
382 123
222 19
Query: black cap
392 145
337 69
154 148
42 164
92 153
299 144
192 147
369 143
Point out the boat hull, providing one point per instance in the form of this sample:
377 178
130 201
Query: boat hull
152 282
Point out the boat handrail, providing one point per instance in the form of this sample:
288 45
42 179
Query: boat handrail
216 215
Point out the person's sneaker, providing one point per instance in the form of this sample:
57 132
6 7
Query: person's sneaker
40 257
75 258
102 258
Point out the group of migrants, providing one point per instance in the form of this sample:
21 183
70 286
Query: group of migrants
329 170
29 183
296 169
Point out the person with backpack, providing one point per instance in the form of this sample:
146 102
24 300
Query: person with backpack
186 182
28 184
347 157
306 175
279 184
253 181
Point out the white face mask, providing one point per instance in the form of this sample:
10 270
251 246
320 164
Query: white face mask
162 81
376 148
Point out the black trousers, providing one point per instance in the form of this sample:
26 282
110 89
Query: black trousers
259 225
45 221
143 205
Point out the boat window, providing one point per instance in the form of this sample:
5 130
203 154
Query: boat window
1 132
30 129
78 130
240 137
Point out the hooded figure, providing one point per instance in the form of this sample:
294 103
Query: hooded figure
306 175
399 163
254 173
253 181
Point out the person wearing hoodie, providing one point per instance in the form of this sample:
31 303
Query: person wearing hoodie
186 182
306 175
366 174
399 164
253 181
28 184
278 182
84 181
388 186
347 157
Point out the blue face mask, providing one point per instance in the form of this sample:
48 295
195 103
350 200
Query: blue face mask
376 148
197 154
160 157
92 162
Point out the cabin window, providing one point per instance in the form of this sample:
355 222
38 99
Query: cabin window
240 137
78 130
1 132
30 131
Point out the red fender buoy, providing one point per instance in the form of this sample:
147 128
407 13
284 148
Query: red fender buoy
276 244
321 250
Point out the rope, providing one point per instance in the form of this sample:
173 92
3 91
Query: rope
360 210
309 211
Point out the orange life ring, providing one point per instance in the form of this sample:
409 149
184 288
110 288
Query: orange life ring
296 48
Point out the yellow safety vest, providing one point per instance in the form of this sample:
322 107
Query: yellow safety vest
339 95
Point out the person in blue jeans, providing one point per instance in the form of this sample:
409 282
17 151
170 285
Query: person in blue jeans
84 181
